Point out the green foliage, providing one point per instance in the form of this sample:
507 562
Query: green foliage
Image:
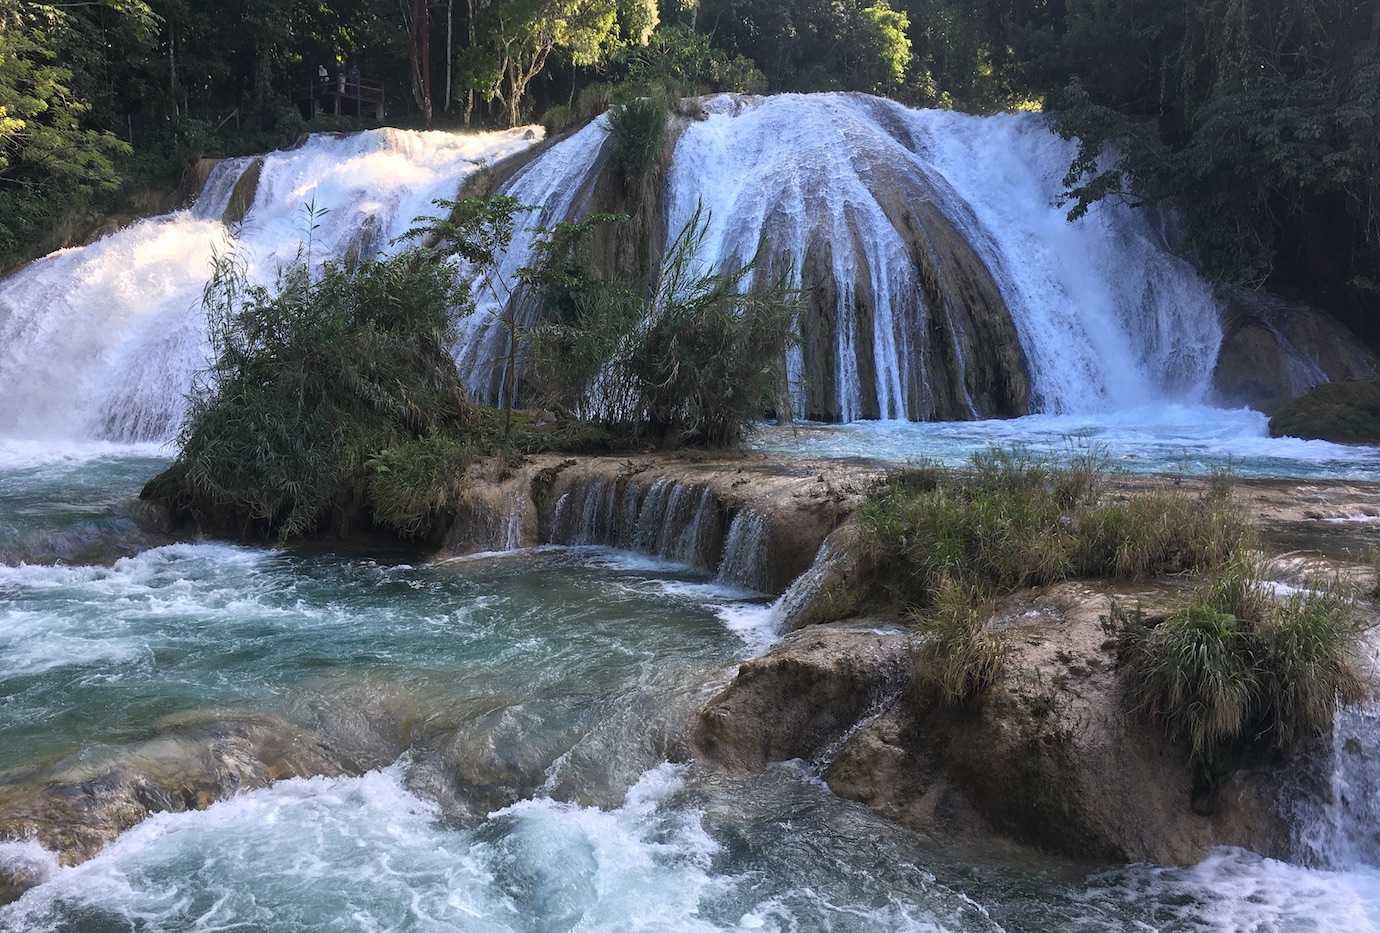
680 62
1193 673
959 658
333 394
638 131
1014 521
811 45
1345 412
696 362
1238 664
951 542
413 487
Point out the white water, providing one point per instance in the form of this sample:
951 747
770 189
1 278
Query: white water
553 184
1163 438
1108 318
103 341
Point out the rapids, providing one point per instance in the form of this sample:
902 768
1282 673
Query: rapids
544 787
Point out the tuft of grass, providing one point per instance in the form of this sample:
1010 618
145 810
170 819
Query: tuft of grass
959 658
1194 673
1012 521
1239 664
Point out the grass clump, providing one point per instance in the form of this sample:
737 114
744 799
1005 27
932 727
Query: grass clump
954 540
1240 665
693 358
959 657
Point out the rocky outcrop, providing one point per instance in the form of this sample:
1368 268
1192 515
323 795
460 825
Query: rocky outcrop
803 695
1345 412
1050 757
189 763
242 195
1275 350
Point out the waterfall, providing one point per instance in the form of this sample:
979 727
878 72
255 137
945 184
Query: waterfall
833 185
103 341
942 278
678 521
1109 317
1336 816
745 551
555 184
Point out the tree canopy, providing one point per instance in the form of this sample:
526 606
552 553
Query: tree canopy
1260 118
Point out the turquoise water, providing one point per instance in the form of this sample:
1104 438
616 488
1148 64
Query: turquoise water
570 673
1163 438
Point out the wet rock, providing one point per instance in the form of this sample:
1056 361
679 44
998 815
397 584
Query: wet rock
837 584
1344 412
802 695
1275 350
242 197
1050 757
192 761
680 507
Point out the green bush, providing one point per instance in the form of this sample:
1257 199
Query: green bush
1239 665
697 362
638 130
413 487
332 387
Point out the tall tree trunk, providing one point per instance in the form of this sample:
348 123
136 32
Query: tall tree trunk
172 67
422 16
450 51
469 92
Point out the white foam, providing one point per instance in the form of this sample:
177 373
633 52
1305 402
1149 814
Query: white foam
315 853
1158 438
1233 890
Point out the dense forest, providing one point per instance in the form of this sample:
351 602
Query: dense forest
1261 118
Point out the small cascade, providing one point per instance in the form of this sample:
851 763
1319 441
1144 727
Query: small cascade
556 183
677 521
103 341
1336 818
745 552
795 602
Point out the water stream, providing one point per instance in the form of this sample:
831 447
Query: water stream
550 787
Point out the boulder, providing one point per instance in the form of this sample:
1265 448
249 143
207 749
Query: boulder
803 695
1275 350
1051 756
1344 412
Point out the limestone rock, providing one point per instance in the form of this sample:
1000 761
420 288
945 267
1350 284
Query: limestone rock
802 695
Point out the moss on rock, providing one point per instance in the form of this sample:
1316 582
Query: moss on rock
1345 412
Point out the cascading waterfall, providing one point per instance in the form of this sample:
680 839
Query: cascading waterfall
1109 317
103 341
1106 315
745 551
554 185
677 521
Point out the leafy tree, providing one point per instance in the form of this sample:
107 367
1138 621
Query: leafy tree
521 36
48 154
